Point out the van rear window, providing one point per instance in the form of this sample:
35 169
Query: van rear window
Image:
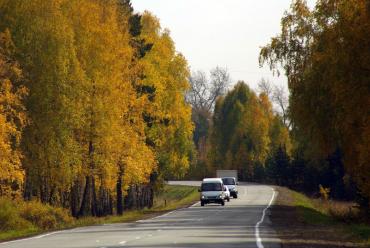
228 181
211 187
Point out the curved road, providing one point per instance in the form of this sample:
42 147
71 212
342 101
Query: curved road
237 224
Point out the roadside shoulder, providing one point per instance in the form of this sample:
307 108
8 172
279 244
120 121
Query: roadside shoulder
299 224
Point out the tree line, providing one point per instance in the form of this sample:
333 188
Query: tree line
92 105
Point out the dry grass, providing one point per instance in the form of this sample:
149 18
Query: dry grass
342 211
21 219
301 221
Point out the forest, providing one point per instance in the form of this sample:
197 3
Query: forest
98 109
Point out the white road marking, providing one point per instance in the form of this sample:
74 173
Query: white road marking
149 235
138 237
123 242
47 234
163 215
159 216
257 234
26 239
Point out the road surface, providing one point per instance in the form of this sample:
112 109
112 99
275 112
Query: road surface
237 224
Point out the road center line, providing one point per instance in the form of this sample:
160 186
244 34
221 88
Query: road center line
257 231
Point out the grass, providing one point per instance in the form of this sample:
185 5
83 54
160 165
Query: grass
22 219
174 196
310 212
302 221
341 215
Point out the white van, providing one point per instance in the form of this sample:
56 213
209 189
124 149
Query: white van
212 191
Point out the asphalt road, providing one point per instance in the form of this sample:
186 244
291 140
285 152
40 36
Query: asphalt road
242 222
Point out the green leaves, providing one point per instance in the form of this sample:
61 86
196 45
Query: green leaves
244 131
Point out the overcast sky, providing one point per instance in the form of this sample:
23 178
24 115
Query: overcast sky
219 32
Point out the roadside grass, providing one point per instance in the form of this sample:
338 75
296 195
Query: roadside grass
310 212
342 215
302 221
22 219
174 196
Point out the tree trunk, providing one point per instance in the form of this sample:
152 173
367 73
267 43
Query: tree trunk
119 195
75 199
88 205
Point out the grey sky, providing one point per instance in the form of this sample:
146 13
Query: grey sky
219 32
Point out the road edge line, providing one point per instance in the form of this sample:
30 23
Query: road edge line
257 231
30 238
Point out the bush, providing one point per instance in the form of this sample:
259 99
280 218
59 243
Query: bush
44 216
10 218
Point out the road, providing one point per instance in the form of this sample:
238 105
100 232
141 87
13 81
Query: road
237 224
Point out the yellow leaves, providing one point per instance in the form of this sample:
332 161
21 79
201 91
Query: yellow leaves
140 162
12 121
166 72
85 102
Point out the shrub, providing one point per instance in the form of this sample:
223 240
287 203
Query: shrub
10 218
44 216
324 192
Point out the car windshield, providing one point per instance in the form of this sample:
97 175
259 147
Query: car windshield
228 181
211 187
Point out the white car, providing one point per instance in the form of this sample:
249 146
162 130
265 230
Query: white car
231 184
212 191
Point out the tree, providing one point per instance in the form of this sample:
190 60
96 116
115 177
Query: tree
278 96
240 135
265 86
202 96
12 119
279 135
322 54
86 120
204 92
114 134
44 42
167 115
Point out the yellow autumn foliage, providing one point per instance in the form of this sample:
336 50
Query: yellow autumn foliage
12 120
